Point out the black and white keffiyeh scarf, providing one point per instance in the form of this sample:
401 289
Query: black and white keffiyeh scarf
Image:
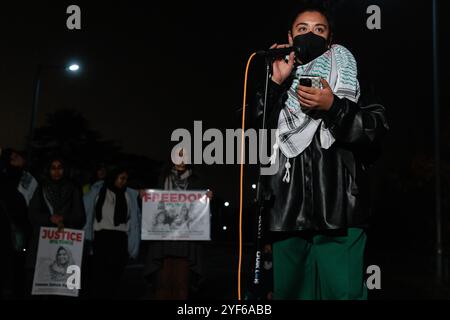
176 180
296 129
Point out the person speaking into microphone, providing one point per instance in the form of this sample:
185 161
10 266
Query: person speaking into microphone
326 141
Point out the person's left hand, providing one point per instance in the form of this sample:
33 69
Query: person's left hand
315 98
142 193
209 194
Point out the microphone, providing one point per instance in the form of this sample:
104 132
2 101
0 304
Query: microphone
276 53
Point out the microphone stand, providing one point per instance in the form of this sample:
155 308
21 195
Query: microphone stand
256 277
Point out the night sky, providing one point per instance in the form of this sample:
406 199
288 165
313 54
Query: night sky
148 69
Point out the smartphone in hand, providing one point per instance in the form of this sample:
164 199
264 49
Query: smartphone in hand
310 81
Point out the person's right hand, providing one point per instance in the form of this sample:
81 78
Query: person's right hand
56 219
280 68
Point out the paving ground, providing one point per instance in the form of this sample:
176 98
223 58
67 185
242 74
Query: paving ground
405 275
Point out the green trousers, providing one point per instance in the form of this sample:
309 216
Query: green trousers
320 267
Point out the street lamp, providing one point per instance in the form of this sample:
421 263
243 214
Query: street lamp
37 87
74 67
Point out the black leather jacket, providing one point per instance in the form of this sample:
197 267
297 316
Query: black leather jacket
328 188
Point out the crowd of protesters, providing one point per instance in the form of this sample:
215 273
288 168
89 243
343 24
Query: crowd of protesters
106 209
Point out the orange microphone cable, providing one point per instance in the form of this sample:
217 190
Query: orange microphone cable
241 186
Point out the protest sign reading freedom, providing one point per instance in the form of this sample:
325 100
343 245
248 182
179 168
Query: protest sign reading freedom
58 262
175 215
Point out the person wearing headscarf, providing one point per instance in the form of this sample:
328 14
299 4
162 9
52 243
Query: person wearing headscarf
58 268
113 225
57 203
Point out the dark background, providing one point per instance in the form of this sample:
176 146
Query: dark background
148 69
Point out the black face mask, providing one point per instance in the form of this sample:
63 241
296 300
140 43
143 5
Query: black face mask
309 46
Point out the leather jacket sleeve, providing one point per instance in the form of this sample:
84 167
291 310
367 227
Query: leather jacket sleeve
275 102
356 125
357 128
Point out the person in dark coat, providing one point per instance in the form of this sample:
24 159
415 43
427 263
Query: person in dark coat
317 201
171 266
6 252
16 188
56 203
